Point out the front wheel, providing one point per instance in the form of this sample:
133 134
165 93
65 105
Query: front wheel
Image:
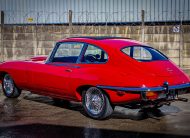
9 88
96 104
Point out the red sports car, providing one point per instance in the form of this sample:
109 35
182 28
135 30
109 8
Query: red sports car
100 72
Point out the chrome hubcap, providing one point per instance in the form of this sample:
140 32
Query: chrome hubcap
8 84
94 101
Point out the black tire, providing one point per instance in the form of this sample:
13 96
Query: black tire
10 90
104 108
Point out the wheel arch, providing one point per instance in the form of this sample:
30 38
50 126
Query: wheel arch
2 74
82 88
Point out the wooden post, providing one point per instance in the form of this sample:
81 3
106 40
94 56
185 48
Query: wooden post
2 18
70 21
181 43
142 25
2 30
36 50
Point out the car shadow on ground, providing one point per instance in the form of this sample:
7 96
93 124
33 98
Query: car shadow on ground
138 114
47 130
119 112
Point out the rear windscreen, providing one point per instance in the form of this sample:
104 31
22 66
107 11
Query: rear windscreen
144 53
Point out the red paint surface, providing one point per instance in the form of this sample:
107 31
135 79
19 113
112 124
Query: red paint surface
120 70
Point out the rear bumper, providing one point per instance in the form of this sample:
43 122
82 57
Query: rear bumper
173 90
165 87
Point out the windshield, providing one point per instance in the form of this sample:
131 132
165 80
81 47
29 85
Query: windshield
144 53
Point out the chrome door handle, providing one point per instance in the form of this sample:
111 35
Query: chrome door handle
68 70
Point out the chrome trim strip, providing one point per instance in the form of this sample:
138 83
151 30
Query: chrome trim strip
70 65
144 89
132 89
181 86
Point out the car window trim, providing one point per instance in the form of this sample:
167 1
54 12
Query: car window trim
83 50
144 46
87 44
53 53
57 46
131 51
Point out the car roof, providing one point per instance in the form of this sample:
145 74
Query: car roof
105 41
100 37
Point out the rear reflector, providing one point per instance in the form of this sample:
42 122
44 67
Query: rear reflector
151 95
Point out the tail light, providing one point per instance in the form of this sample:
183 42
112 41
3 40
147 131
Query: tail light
152 95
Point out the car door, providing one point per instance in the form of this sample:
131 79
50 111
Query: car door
53 77
89 68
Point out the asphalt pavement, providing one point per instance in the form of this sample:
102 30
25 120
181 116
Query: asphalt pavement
33 115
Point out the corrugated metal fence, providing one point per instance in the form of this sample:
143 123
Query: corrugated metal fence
94 11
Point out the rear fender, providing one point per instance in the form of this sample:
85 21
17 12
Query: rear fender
80 90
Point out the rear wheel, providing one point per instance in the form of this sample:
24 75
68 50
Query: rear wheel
96 104
9 88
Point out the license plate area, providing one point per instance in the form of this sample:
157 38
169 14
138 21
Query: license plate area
162 95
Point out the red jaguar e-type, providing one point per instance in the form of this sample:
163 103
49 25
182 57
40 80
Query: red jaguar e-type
100 72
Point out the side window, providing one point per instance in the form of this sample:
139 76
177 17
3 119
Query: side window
67 52
143 53
140 53
127 50
94 54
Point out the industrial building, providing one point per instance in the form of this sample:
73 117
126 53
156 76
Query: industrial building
94 11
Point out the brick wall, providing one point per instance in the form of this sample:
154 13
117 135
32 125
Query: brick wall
21 42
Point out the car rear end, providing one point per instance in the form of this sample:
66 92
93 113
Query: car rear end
156 80
158 96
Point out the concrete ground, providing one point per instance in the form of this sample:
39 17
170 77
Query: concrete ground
36 116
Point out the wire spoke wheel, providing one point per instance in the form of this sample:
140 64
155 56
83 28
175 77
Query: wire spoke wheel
96 103
9 88
8 84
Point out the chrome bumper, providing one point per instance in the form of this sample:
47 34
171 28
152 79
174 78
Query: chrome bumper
165 87
170 91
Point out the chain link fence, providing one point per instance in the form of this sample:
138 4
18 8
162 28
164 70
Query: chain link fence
85 17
